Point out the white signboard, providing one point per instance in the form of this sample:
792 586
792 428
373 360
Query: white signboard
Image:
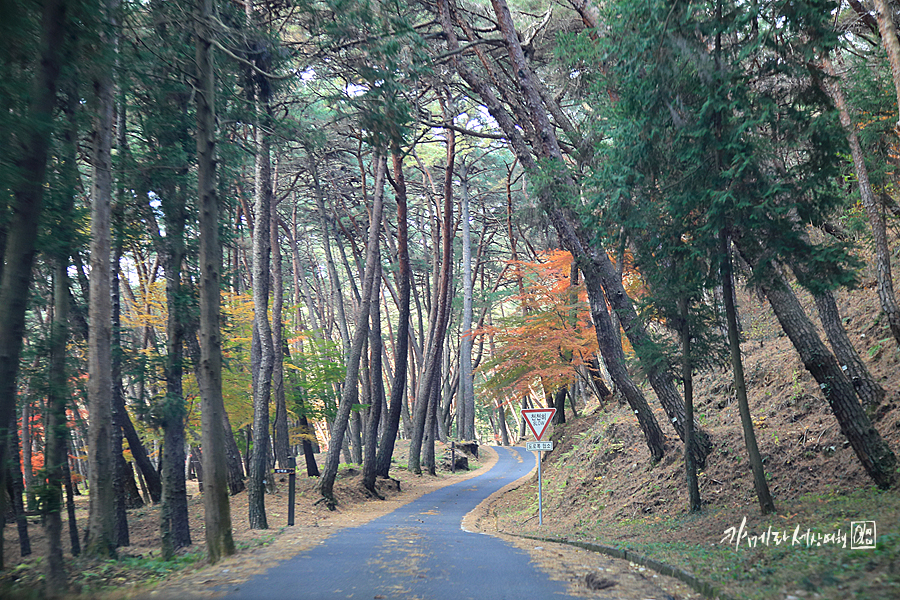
530 446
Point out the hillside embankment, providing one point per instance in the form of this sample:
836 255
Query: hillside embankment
600 486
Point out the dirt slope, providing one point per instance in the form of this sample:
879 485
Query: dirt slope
600 485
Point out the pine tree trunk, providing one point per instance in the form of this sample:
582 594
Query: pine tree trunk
883 275
873 452
466 398
232 458
283 453
401 362
57 425
101 535
263 379
610 343
501 418
432 360
660 378
217 511
30 160
174 527
687 377
376 384
122 471
870 393
885 17
559 403
350 392
15 488
766 504
337 294
74 541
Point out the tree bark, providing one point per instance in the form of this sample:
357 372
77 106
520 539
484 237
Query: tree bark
870 393
283 453
432 361
466 398
873 452
885 18
217 512
376 384
262 381
120 477
610 344
25 208
687 376
350 390
57 433
174 527
883 275
401 362
766 504
15 487
101 540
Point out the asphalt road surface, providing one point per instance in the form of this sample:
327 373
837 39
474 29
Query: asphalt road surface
419 551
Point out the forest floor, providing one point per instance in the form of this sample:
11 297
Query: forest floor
600 487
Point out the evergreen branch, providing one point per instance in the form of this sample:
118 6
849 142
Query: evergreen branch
247 63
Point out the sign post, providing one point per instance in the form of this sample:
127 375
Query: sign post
538 419
292 487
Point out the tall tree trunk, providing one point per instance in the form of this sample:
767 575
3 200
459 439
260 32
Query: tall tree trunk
376 384
262 382
659 377
217 512
398 386
15 488
18 253
27 447
307 432
501 421
766 504
233 463
74 541
559 402
432 361
350 390
885 18
876 219
687 376
466 398
283 453
610 344
873 452
337 294
174 527
870 393
101 540
57 434
120 477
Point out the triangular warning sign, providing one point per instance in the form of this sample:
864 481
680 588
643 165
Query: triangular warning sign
538 419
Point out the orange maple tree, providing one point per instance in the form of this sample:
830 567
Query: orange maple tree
541 347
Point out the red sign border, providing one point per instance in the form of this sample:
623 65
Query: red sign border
537 435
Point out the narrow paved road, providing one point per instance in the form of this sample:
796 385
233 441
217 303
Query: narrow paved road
419 551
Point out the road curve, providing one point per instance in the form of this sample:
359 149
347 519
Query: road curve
418 551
